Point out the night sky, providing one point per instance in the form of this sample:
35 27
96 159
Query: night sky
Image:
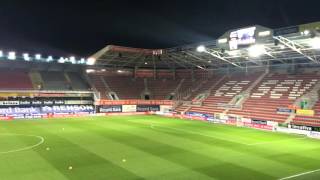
81 28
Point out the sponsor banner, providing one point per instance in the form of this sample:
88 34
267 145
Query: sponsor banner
305 112
292 131
258 126
304 128
135 102
9 103
165 109
231 122
256 121
18 110
107 109
48 102
221 116
314 134
219 121
199 116
67 109
59 102
127 113
147 108
36 102
246 120
78 102
284 110
25 103
129 108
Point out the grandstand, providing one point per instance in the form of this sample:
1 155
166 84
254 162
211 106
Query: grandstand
253 77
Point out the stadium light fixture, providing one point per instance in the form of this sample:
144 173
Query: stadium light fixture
305 32
201 48
38 56
49 59
256 51
90 71
264 33
222 41
82 61
26 57
315 43
73 60
91 61
12 55
61 60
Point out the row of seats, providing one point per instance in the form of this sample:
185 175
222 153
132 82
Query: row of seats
275 91
224 92
272 92
133 88
23 80
307 120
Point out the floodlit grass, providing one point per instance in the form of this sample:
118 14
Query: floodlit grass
150 147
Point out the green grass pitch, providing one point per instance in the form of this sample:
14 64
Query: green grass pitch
150 147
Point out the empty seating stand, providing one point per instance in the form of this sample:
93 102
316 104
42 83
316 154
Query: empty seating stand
309 120
223 93
99 85
55 81
77 82
275 91
162 88
126 87
15 80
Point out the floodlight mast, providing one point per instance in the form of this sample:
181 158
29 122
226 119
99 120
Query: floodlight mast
215 54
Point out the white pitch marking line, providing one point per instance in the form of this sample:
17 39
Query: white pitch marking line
152 126
301 174
270 142
25 148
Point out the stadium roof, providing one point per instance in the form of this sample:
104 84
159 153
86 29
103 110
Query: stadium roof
296 44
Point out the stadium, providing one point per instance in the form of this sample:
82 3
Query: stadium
244 106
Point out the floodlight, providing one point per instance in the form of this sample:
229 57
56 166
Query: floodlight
264 33
1 54
38 56
49 59
61 60
256 50
222 41
91 61
73 60
201 48
315 43
90 70
26 57
12 55
82 61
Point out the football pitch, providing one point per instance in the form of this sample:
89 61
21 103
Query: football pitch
151 147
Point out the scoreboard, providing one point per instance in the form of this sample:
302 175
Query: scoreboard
244 37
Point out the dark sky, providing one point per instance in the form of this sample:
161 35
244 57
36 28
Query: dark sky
82 27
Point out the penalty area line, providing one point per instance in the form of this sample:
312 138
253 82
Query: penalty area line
300 174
